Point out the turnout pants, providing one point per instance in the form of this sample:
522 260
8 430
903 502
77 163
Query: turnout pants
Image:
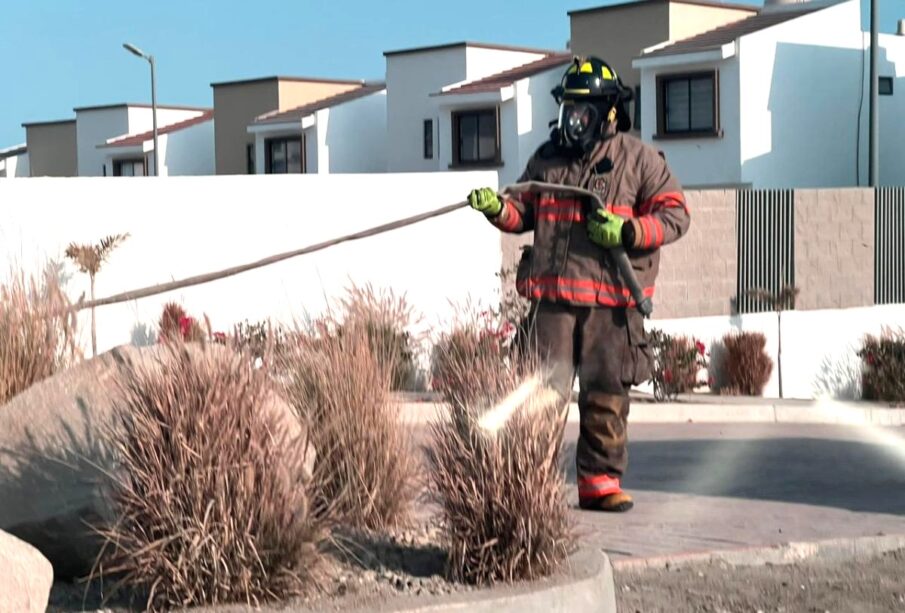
607 348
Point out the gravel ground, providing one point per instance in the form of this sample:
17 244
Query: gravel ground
872 586
368 570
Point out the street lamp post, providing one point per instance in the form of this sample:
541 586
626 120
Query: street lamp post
136 51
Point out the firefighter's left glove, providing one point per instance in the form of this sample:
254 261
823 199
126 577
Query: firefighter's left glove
486 201
605 229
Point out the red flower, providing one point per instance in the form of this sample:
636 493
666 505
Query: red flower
220 337
870 359
667 376
700 347
185 326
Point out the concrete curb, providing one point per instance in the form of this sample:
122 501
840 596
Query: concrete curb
839 550
836 413
587 586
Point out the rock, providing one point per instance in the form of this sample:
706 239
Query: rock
25 576
56 458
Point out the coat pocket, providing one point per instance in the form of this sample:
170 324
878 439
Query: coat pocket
638 359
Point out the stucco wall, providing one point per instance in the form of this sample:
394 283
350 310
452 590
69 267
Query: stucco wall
687 20
235 106
618 34
93 127
254 217
706 161
52 149
189 151
798 79
352 137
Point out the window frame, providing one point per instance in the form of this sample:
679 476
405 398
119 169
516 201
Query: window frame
890 81
456 118
428 138
663 82
268 148
118 166
251 162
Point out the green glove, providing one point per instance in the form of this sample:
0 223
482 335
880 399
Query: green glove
605 229
486 201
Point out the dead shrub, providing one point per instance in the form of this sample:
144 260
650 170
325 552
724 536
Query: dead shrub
501 494
340 382
37 332
212 504
747 366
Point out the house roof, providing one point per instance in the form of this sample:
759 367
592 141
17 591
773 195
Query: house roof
296 114
716 38
140 105
131 140
292 79
13 151
508 77
54 122
467 44
711 3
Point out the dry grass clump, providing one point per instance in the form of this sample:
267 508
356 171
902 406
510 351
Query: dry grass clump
340 380
748 366
37 332
212 500
501 494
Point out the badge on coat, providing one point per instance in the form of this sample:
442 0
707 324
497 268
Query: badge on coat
598 184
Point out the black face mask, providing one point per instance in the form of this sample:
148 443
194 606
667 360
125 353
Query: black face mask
580 125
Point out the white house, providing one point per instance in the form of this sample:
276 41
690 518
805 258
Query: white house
413 114
342 133
499 121
96 125
775 100
14 162
186 148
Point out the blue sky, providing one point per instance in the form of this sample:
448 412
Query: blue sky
59 54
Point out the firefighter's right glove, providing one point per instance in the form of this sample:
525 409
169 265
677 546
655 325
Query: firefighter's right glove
486 201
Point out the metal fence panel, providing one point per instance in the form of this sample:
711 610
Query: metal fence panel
889 241
766 245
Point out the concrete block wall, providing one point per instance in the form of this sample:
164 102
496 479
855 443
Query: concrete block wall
698 272
834 248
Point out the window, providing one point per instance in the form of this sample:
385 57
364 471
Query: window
129 168
250 158
284 155
476 138
885 86
428 139
688 105
636 122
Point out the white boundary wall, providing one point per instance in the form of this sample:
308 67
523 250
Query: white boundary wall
183 226
819 348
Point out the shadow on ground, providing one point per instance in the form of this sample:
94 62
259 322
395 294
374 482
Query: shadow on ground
850 475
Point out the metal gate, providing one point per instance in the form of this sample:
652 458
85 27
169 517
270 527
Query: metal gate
889 245
766 245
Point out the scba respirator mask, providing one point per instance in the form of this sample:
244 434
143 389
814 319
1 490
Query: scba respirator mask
582 123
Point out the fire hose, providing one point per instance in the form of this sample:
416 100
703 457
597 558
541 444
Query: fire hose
624 265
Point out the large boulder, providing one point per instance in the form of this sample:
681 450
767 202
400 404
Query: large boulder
25 576
56 455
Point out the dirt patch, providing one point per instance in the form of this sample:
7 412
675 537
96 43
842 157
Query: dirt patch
872 586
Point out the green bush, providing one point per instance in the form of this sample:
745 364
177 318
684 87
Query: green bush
883 371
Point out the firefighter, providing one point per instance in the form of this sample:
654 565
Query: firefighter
584 318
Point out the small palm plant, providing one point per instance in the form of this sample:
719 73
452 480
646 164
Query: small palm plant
89 259
783 300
